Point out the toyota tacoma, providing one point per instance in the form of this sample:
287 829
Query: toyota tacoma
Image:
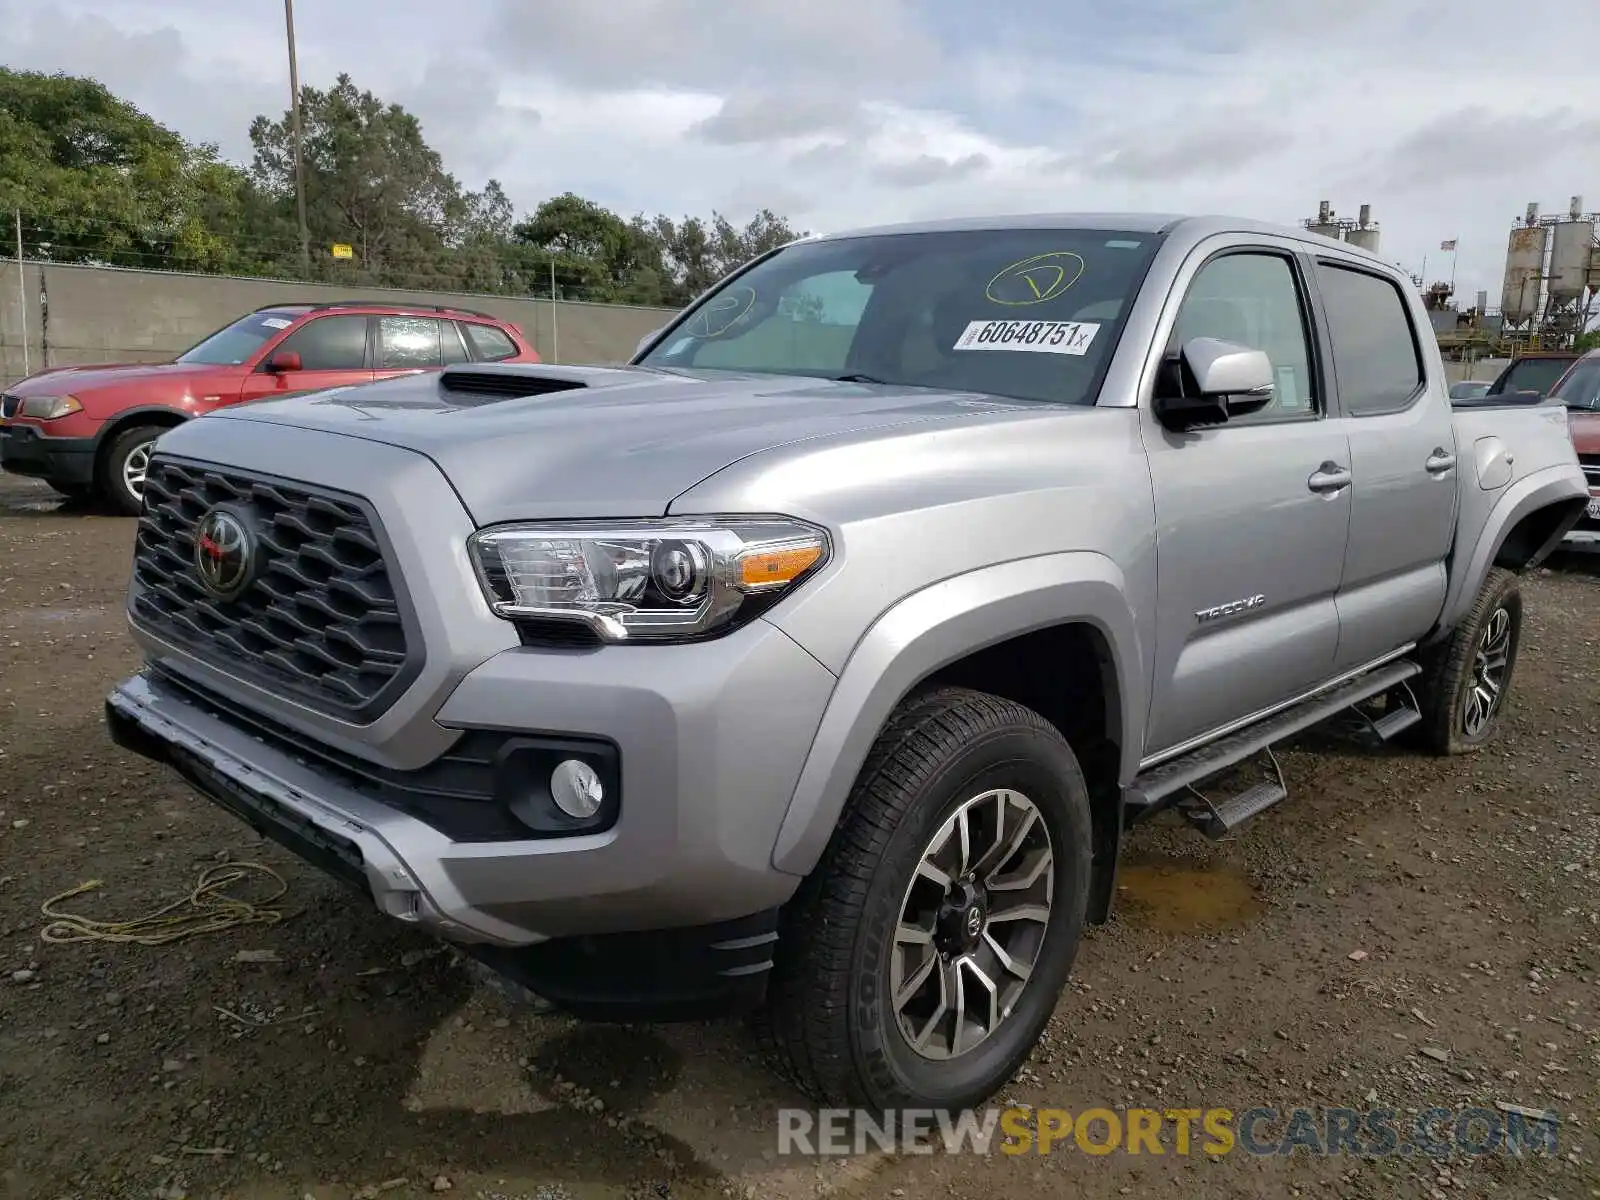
814 662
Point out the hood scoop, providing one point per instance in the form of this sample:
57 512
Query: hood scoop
462 386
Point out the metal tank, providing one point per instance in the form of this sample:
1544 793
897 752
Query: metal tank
1571 245
1519 296
1325 223
1366 239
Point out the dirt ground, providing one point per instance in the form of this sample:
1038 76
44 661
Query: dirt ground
1404 933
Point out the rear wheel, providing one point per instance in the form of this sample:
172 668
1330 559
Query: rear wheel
919 964
122 472
1467 679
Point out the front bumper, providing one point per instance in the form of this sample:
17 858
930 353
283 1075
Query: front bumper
26 450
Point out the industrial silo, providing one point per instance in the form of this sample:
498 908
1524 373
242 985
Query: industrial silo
1365 234
1519 296
1325 223
1571 247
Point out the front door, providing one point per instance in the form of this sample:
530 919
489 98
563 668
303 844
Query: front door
1403 458
1251 515
333 353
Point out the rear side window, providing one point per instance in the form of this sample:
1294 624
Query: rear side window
407 343
330 344
1375 354
488 343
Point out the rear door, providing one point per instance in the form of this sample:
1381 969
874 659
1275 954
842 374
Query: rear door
1251 516
1403 458
333 353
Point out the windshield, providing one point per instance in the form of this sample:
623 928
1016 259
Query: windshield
239 342
1581 387
1533 374
1030 314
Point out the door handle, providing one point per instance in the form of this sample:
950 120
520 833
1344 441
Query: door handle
1439 462
1329 478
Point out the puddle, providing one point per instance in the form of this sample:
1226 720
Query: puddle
1179 895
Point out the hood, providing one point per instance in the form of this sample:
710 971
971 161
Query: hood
1585 426
77 380
522 442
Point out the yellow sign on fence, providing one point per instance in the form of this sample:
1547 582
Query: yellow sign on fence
340 250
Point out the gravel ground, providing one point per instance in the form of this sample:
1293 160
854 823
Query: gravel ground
1404 933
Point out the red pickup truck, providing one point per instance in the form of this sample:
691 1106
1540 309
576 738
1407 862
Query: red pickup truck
88 430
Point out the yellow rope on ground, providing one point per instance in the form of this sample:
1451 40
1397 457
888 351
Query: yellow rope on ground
207 909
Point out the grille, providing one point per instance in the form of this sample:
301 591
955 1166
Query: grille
322 620
1591 468
9 405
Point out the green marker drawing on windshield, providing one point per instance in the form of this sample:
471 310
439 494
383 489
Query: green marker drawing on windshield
1036 279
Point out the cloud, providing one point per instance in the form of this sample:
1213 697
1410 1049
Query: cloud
753 117
928 168
863 111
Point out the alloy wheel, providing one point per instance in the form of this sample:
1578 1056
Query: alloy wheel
1486 687
972 924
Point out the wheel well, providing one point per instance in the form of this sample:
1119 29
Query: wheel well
1536 534
1065 674
159 418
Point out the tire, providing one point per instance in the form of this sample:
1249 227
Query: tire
125 453
830 1019
1490 633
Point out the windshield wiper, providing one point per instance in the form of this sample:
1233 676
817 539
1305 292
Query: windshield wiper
857 377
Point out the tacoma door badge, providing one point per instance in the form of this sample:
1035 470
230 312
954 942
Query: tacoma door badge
1231 609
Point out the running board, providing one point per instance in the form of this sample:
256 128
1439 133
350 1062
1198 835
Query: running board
1152 791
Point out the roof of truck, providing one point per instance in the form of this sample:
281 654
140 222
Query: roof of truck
1196 225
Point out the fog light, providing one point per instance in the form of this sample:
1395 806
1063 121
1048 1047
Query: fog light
575 787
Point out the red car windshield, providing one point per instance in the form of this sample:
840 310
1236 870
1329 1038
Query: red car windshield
1581 386
238 343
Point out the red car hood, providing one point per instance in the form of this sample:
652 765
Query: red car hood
1585 431
77 380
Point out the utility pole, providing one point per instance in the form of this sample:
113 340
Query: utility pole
299 160
22 296
555 343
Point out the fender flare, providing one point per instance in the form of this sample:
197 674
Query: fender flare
933 628
1540 489
129 417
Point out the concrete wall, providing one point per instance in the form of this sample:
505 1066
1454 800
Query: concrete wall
101 314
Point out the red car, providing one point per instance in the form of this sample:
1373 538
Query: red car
88 430
1579 390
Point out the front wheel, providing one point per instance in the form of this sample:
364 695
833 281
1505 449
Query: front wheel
122 473
919 964
1467 678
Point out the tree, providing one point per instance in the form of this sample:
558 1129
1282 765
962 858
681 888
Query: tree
697 255
99 181
372 182
596 254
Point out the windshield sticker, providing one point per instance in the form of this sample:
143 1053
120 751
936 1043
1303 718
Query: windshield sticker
721 314
276 322
1031 337
1035 280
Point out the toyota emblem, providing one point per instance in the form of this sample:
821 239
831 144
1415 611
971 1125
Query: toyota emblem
224 553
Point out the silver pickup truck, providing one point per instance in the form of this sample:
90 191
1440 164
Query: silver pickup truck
815 662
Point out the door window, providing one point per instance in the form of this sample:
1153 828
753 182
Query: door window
1253 300
408 343
330 344
1375 357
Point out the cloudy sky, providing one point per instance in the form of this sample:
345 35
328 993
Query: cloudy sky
1448 118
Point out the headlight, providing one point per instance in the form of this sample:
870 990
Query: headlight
666 580
48 408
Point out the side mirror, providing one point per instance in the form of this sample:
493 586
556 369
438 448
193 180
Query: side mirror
284 360
646 340
1212 381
